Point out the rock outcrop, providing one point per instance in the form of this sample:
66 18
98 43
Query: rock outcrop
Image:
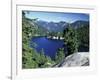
76 59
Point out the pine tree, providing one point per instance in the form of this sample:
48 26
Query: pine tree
60 55
70 40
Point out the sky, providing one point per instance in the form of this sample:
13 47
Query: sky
57 16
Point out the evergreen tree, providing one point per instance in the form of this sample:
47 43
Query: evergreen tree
70 40
60 55
83 38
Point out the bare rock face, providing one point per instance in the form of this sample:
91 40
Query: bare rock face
76 59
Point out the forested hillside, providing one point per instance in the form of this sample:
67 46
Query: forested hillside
30 57
83 38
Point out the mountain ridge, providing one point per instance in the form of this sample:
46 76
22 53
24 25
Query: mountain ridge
60 26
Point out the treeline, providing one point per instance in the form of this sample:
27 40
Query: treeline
83 38
75 40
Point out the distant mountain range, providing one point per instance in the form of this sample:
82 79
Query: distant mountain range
78 24
60 26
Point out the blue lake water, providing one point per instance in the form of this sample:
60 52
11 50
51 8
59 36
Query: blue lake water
49 46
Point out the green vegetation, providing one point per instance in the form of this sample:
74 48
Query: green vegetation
55 34
30 58
70 40
83 36
73 40
60 55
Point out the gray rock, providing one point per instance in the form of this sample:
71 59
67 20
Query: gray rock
76 59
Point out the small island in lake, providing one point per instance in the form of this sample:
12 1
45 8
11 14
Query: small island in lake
54 39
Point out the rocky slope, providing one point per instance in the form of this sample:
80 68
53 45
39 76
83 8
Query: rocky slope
76 59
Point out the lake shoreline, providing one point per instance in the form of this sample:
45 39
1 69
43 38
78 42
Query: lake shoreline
50 46
49 37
